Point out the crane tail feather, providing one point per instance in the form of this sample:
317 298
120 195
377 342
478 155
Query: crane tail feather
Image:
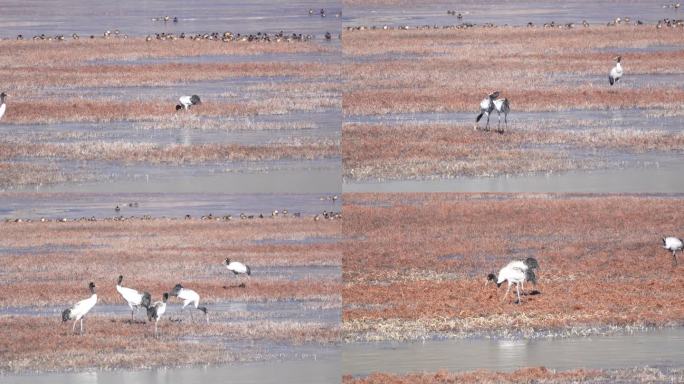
477 119
249 271
611 80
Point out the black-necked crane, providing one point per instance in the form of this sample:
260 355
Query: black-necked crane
156 310
188 101
3 105
133 298
673 244
486 107
529 263
502 106
80 309
189 297
616 73
516 272
237 268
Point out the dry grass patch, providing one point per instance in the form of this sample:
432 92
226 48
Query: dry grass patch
170 154
154 255
46 53
526 375
601 263
451 70
410 151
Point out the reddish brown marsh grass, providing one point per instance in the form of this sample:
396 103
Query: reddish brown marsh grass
103 111
44 53
171 154
453 68
28 344
601 260
154 255
525 375
409 151
32 77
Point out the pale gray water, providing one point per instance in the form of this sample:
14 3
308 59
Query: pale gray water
661 177
642 119
322 125
134 16
507 12
659 347
100 205
310 371
306 176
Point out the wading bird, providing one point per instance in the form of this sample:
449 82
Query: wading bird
516 272
673 244
615 73
188 101
156 310
237 268
3 106
189 297
133 298
80 309
502 106
486 107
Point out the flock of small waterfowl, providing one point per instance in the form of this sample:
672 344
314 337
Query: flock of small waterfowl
225 37
137 300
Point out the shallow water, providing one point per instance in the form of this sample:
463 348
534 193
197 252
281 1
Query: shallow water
134 17
659 175
283 176
503 12
320 125
301 311
659 347
311 371
643 119
76 205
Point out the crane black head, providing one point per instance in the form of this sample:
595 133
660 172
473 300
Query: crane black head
226 261
492 277
618 58
494 95
194 99
165 296
531 263
2 96
178 107
176 290
119 280
91 286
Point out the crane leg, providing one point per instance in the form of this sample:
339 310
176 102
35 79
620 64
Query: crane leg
81 325
506 295
73 329
674 258
487 126
131 315
517 288
155 328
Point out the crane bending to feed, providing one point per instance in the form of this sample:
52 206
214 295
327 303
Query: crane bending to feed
516 272
133 298
189 297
